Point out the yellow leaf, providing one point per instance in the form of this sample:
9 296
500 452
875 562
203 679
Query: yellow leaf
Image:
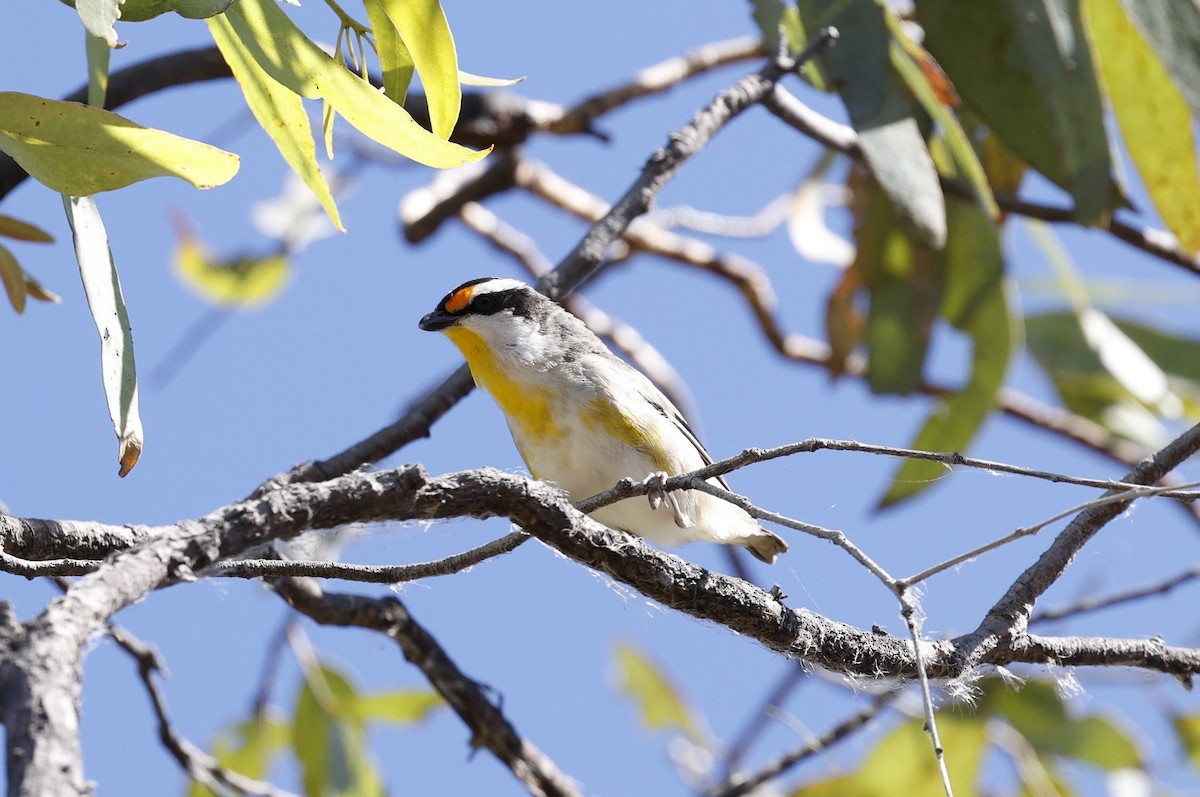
1153 116
660 702
240 282
394 57
285 54
426 34
78 150
279 111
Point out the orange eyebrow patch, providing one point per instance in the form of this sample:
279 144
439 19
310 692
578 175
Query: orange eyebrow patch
458 300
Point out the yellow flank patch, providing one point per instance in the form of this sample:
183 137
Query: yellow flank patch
459 300
621 426
527 407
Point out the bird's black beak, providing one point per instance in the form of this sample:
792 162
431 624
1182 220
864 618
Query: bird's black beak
438 319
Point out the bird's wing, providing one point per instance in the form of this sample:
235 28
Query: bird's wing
646 391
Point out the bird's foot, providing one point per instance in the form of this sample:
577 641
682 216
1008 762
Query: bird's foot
654 488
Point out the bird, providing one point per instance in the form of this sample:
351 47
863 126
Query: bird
584 419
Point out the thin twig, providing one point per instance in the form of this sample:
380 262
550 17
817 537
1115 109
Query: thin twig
1093 604
1129 494
199 765
745 784
371 574
489 727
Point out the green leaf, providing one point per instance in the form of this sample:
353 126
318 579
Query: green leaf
903 762
279 111
401 706
976 303
1153 116
1038 714
249 747
880 110
912 63
903 290
1188 729
661 704
394 57
1025 67
78 150
240 282
284 53
330 740
423 28
771 16
12 276
103 290
23 230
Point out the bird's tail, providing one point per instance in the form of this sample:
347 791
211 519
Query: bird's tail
765 545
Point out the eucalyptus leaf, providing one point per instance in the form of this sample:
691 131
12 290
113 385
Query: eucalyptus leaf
279 111
102 287
79 150
284 53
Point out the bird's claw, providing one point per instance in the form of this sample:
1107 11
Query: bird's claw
654 488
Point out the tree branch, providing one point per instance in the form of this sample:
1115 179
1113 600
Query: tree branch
489 727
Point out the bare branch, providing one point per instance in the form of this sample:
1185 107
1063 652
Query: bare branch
1006 623
260 568
1093 604
656 79
199 765
745 784
489 727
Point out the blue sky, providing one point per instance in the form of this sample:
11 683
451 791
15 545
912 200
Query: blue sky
338 355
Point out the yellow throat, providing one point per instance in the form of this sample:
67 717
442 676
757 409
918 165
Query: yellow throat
525 406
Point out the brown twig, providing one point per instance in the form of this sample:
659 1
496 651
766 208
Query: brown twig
489 727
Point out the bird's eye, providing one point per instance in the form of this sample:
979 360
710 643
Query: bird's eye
486 303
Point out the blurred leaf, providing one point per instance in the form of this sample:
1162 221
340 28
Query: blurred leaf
239 282
880 110
903 762
1172 27
284 53
23 230
40 292
329 738
975 302
928 83
1187 728
468 79
844 324
771 16
279 111
1038 714
103 290
1004 171
426 34
1088 388
249 748
79 150
1026 68
1153 116
903 293
394 57
12 276
660 702
401 706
